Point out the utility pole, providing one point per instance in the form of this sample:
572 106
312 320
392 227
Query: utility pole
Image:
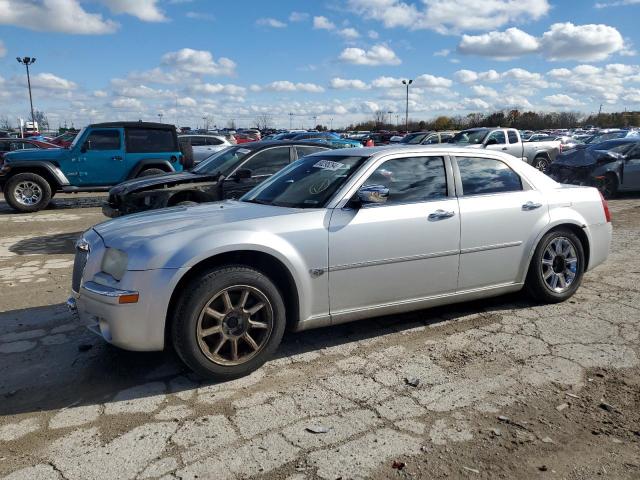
599 113
390 121
406 118
331 124
290 120
26 61
160 115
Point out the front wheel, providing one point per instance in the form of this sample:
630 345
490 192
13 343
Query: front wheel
557 267
27 192
541 163
229 322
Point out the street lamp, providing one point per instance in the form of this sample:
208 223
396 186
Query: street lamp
406 118
26 61
160 115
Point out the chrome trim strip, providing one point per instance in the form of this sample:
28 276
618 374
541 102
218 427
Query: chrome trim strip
103 290
490 247
387 261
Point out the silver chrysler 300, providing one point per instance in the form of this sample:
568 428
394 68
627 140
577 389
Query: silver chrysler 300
334 237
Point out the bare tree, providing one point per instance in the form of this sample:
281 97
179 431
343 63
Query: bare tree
379 118
263 121
41 119
5 124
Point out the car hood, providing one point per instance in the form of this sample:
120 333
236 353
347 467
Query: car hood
155 181
46 154
160 232
580 157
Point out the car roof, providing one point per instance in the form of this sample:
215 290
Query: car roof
281 143
153 125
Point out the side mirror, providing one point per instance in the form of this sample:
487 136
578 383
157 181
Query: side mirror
376 194
491 141
242 174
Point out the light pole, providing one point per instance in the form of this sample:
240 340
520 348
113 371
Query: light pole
406 117
205 123
331 124
290 120
160 115
26 61
390 121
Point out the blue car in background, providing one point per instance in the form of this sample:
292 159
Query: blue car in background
337 142
101 155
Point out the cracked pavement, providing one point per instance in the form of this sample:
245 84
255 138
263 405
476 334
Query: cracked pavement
505 388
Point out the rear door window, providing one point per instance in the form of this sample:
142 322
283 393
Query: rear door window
213 141
197 142
486 175
305 150
513 136
268 162
150 140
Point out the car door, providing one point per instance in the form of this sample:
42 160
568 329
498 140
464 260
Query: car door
262 165
496 141
631 177
501 216
214 145
101 157
404 250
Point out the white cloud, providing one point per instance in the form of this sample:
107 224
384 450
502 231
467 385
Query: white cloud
618 3
126 103
442 53
146 10
205 16
187 102
49 81
3 49
100 94
450 16
199 62
506 45
323 23
483 91
475 104
64 16
139 91
373 35
378 55
347 84
429 81
469 76
298 16
349 33
215 88
561 100
566 41
270 22
287 86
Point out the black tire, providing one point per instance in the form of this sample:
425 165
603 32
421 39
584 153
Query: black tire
541 163
34 183
151 171
202 292
537 286
186 203
609 186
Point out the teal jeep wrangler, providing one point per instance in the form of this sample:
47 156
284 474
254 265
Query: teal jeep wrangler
102 155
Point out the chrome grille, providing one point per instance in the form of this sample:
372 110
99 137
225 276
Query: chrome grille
82 254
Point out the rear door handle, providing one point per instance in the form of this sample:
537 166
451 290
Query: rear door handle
117 157
531 205
440 214
504 148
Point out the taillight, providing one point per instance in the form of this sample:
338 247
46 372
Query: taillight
561 148
605 207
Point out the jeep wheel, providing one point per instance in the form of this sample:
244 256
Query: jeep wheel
229 322
151 171
27 192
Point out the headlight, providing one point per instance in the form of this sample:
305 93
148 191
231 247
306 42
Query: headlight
114 263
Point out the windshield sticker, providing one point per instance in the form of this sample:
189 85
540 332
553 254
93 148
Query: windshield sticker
243 151
329 165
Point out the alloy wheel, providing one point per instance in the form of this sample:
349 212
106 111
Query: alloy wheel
235 325
559 264
27 193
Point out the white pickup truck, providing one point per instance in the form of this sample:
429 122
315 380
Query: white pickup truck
538 154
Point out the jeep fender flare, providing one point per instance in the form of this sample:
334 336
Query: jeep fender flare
151 163
35 166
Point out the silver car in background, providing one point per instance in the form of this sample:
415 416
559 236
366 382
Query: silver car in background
334 237
205 145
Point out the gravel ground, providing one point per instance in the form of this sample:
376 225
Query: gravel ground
494 389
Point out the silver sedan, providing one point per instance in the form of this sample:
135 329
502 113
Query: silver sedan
335 237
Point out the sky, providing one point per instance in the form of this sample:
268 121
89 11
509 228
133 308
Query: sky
306 62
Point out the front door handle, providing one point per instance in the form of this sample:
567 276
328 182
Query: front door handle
531 205
117 157
440 214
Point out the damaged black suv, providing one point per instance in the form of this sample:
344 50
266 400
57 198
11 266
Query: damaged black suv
227 174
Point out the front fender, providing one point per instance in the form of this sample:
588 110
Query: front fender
33 165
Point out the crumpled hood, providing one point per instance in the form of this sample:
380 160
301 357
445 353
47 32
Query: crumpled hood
159 233
154 181
580 157
47 154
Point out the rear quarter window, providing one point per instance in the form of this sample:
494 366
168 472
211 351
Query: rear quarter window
149 140
485 175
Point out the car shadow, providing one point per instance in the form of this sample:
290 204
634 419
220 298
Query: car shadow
59 370
62 243
60 202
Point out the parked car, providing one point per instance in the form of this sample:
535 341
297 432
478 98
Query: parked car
336 236
611 135
16 144
227 174
337 142
611 166
102 155
538 154
427 138
313 135
64 140
204 145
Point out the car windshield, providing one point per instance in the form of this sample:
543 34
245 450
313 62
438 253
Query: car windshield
223 161
413 138
614 146
471 137
307 183
78 137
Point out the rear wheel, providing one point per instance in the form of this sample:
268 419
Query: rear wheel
186 203
556 268
608 186
27 192
541 163
151 171
229 322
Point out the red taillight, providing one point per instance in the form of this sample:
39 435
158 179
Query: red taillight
561 148
605 207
